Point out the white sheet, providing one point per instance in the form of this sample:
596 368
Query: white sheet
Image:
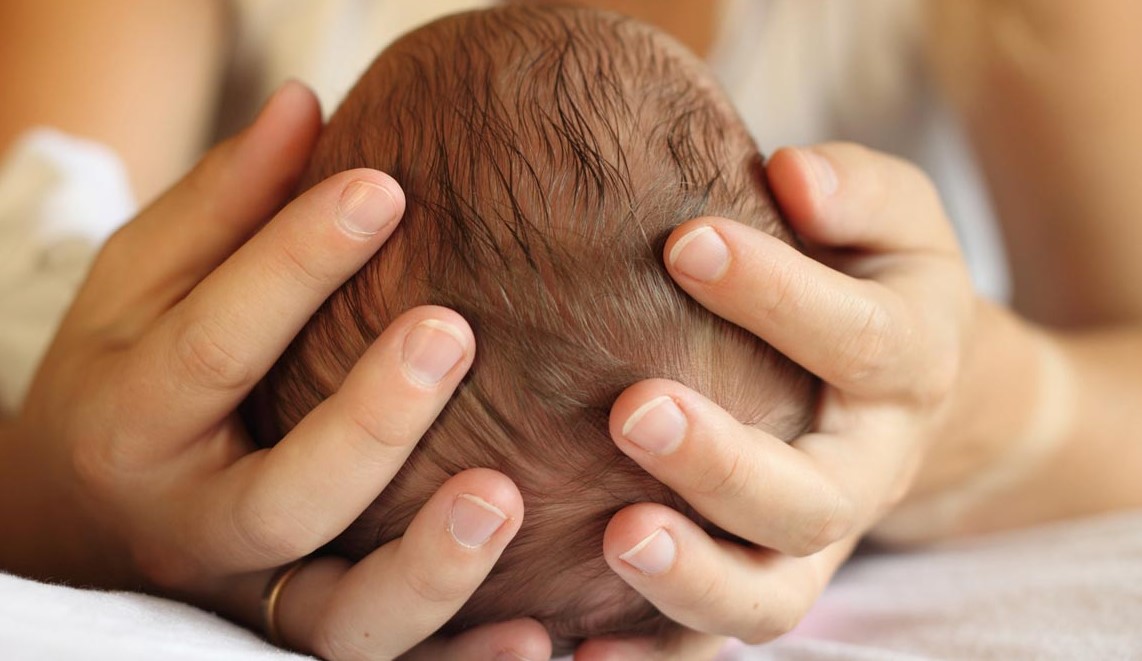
1066 591
52 622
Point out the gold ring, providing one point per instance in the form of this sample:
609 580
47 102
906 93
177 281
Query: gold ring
272 595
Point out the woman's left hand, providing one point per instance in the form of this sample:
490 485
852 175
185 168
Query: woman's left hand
882 310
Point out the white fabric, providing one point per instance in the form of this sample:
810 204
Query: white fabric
1070 591
1067 591
52 622
59 197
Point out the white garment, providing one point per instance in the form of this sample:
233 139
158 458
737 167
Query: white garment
59 197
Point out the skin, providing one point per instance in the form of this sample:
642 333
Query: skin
148 86
872 289
934 391
1035 418
1058 142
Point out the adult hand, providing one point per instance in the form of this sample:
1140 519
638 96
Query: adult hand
153 481
880 309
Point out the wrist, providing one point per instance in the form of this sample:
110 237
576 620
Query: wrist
995 404
1004 416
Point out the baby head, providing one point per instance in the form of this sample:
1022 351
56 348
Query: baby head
545 155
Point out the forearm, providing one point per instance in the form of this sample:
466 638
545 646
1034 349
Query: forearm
1050 95
140 77
1090 421
1045 427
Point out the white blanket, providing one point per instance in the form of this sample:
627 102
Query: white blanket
1067 591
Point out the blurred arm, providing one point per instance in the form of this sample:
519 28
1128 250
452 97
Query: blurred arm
1045 424
1051 94
137 75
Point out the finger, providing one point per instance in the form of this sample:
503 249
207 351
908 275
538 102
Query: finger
846 196
714 585
215 344
158 257
518 640
404 591
856 334
685 644
283 503
746 481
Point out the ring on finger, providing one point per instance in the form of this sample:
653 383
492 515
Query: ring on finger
272 595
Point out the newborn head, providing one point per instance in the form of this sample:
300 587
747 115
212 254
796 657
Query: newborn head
545 155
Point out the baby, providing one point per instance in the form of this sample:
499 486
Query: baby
545 155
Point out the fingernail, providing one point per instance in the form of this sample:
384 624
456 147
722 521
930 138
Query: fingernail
701 255
431 349
474 520
653 555
366 208
823 172
657 426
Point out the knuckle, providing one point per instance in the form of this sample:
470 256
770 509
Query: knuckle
896 492
207 362
101 461
942 370
936 350
165 566
302 269
709 600
269 534
938 380
727 475
866 355
92 468
434 586
324 640
767 628
367 421
785 289
826 525
332 642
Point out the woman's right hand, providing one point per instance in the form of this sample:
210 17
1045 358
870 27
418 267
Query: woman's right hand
135 472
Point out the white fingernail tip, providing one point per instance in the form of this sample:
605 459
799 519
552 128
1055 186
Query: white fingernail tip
653 555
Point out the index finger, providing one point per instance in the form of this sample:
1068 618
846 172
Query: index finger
214 345
275 505
845 330
847 196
